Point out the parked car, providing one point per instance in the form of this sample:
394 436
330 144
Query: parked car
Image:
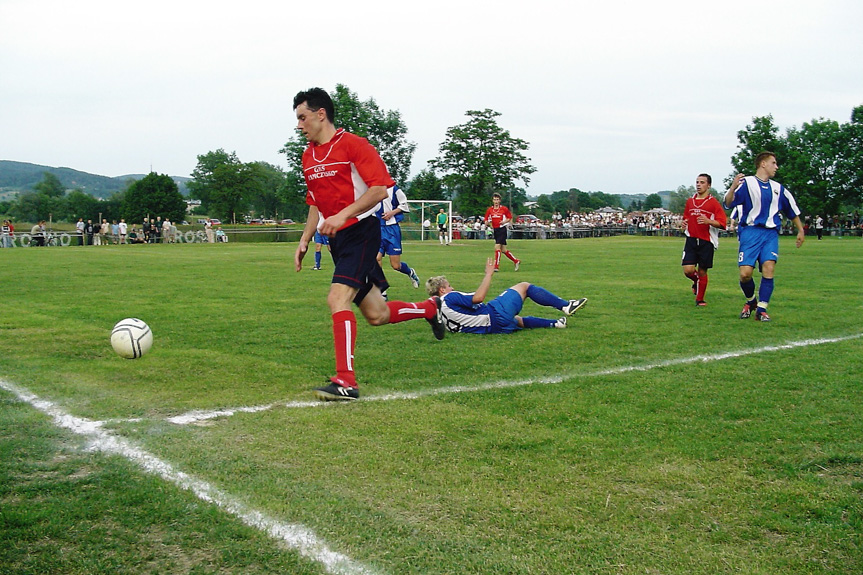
215 222
526 219
254 222
287 221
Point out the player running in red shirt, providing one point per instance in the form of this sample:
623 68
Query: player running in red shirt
704 217
346 179
498 217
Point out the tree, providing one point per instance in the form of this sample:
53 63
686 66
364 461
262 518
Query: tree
201 184
677 201
652 201
80 204
231 186
384 129
34 206
759 136
50 185
812 155
427 186
154 195
268 197
479 158
849 167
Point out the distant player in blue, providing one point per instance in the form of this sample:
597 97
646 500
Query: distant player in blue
390 213
760 200
320 241
465 312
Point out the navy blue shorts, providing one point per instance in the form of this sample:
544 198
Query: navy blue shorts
698 252
500 235
355 255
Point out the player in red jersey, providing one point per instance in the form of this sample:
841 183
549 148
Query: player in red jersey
346 179
498 216
703 217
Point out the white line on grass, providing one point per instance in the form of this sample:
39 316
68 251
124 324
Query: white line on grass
297 537
197 416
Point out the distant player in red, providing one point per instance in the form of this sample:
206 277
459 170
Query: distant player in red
498 216
346 180
704 217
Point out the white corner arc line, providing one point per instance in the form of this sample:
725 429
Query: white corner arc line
297 537
196 416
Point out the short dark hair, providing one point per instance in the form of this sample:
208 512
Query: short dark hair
709 179
315 99
763 156
496 195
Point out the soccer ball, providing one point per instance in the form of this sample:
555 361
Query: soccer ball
131 338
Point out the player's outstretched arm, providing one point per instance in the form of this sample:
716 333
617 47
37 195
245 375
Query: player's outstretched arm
485 284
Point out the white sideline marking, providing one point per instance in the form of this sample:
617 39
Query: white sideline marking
297 537
196 416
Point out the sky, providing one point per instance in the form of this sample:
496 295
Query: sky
615 96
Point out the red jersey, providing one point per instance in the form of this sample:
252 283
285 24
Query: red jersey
710 208
495 215
339 172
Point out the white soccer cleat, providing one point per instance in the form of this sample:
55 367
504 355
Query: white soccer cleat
574 305
561 323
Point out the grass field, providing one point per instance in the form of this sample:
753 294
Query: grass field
650 436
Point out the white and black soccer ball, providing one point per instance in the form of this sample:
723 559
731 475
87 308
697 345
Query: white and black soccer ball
131 338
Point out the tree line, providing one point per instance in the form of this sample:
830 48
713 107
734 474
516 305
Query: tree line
821 162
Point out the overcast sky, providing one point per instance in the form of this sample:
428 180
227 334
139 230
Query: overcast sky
613 96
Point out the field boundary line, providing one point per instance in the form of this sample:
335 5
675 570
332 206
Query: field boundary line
296 537
197 416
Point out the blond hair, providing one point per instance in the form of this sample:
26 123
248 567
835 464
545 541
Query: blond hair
434 284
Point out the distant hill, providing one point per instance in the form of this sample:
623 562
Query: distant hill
17 177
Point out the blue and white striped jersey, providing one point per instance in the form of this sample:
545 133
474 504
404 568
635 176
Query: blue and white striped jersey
762 202
461 314
396 198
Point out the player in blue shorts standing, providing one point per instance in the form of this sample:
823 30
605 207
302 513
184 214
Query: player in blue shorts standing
390 212
761 200
320 241
466 312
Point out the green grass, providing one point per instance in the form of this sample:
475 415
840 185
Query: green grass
749 464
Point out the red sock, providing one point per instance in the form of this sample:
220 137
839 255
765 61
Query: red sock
508 254
344 340
403 311
496 258
702 287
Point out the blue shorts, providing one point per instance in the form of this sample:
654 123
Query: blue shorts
355 254
321 238
757 245
504 308
391 240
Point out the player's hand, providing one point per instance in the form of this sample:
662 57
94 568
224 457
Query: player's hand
332 224
801 237
489 266
299 255
735 183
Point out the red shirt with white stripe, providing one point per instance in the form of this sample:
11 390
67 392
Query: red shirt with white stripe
338 172
495 215
710 208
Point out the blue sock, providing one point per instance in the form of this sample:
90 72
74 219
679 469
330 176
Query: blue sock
748 288
317 259
544 297
405 269
536 322
765 290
